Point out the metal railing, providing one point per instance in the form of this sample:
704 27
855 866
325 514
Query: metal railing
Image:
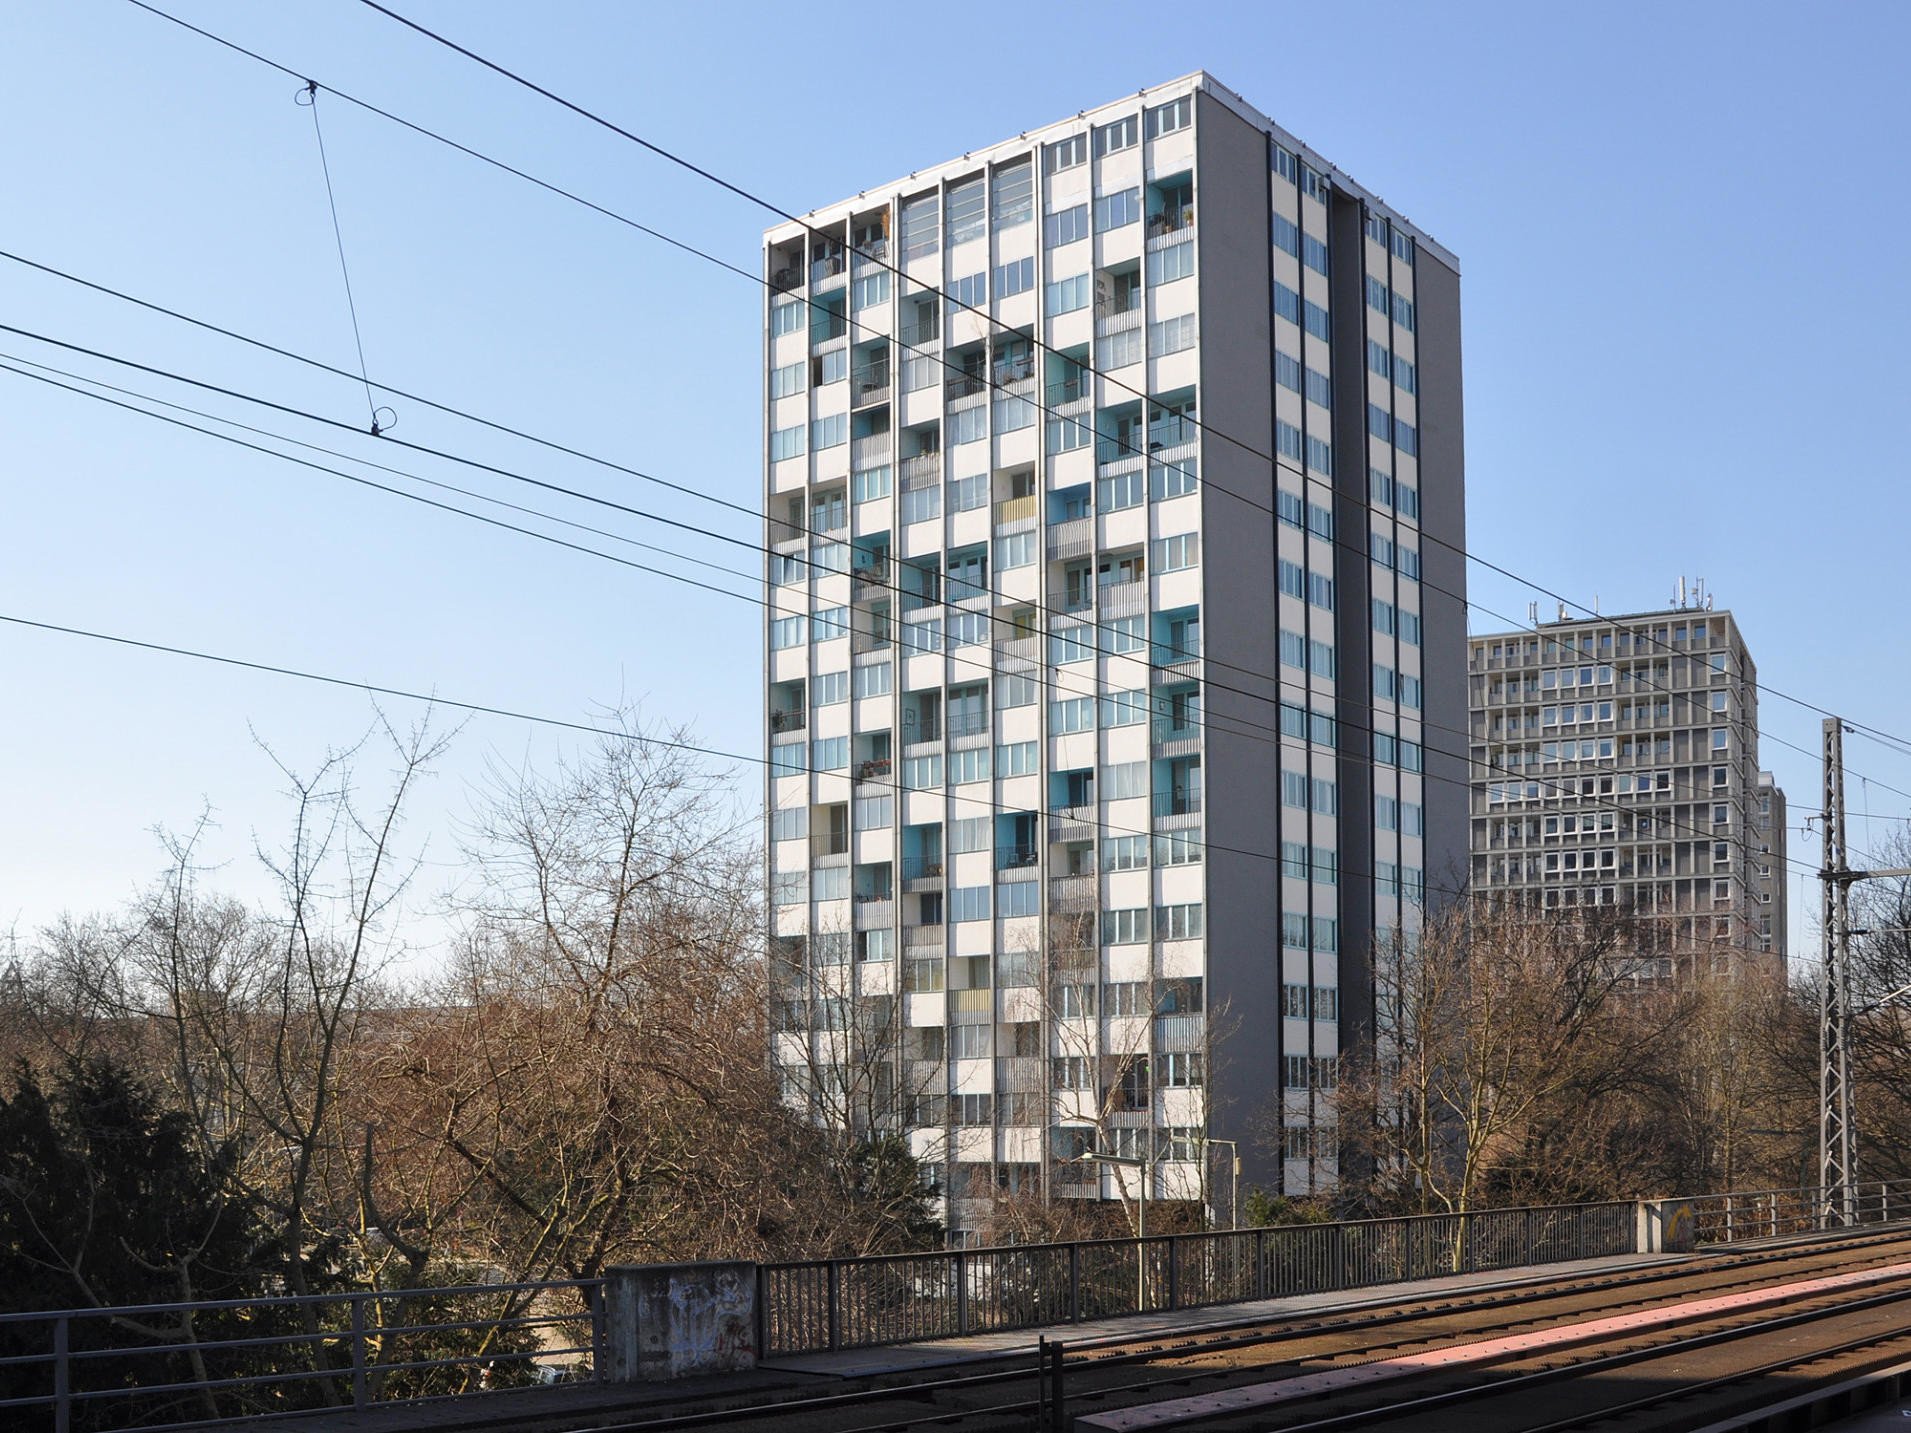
139 1365
813 1305
1773 1213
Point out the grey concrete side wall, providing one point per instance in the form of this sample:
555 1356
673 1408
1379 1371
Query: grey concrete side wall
1443 572
665 1321
1239 620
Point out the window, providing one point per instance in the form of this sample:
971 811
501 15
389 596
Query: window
786 443
1179 922
1287 303
1287 438
1172 480
1125 634
791 825
787 632
873 680
829 622
1282 163
827 689
1293 579
1313 253
1177 552
969 291
1176 261
789 888
1068 295
1287 238
1315 321
1124 780
1117 210
870 290
966 211
1065 227
969 425
1013 194
1405 377
1293 650
921 226
1124 708
1124 853
1123 927
1017 277
1015 550
922 773
1075 714
1016 759
1320 455
1013 414
1122 134
1326 798
1124 490
1019 898
972 833
1403 312
1320 389
1294 789
869 484
829 432
831 883
786 380
1167 118
921 504
1065 154
1406 438
1072 644
829 753
1171 335
786 316
969 903
1016 690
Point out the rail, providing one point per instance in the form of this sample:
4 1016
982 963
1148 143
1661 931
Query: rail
820 1304
158 1365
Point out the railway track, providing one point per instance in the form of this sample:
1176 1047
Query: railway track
1512 1357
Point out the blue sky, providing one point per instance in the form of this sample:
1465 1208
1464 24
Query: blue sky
1679 228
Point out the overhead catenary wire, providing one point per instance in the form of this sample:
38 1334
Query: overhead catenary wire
1279 738
1305 476
1281 681
310 101
994 323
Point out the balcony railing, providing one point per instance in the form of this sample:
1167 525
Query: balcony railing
1181 801
1011 510
875 912
870 574
867 452
966 385
1171 221
1073 894
868 386
922 467
827 267
968 723
786 278
1185 669
1122 599
1019 649
870 250
921 868
1110 322
1073 538
923 937
875 768
788 719
1015 858
917 335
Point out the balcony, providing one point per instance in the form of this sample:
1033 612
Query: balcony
1073 823
876 768
875 912
869 386
1178 808
826 268
922 470
1122 599
1017 858
871 250
784 279
1170 225
788 719
869 452
968 723
1071 539
870 577
1072 601
1072 895
921 873
923 938
1018 653
1109 322
1015 511
966 385
1183 669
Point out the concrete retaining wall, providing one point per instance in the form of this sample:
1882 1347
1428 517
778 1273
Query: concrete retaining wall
664 1321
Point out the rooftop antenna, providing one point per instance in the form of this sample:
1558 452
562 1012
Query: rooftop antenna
1679 598
1562 611
1532 614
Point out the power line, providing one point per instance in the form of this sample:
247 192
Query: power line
993 322
1559 785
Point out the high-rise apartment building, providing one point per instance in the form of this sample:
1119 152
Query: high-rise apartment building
1616 764
1116 497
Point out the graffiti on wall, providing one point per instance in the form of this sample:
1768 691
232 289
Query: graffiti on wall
711 1322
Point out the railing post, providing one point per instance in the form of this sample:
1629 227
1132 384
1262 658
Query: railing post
358 1352
835 1309
762 1312
1260 1262
962 1291
1074 1283
1174 1272
62 1377
596 1305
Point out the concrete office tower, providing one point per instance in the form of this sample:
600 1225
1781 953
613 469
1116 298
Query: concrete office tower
1616 764
1115 485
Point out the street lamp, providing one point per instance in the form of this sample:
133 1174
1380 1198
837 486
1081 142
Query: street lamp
1146 1166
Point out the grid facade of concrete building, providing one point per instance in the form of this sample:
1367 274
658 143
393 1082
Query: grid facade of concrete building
1115 488
1616 764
